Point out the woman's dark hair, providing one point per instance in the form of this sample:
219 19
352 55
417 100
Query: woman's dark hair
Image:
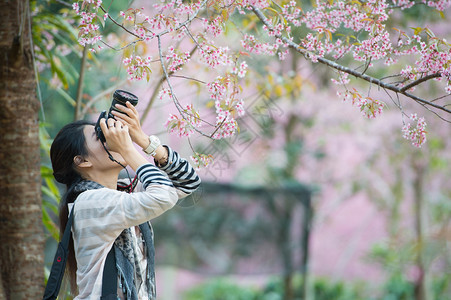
68 143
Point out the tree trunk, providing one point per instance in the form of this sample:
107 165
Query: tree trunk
21 231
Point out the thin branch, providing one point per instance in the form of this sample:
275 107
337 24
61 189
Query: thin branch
99 96
152 99
339 67
396 103
441 97
367 66
157 88
174 98
140 39
188 78
122 48
419 81
64 3
120 25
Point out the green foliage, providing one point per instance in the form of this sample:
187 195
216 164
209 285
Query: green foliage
54 38
49 188
323 289
441 287
396 261
221 290
327 290
398 287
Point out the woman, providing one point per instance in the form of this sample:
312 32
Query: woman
105 217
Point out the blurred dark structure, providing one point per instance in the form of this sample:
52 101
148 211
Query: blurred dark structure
230 229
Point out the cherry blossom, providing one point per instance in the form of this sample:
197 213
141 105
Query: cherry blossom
186 124
176 59
416 134
368 106
331 30
201 160
137 67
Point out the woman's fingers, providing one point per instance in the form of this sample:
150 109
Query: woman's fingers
130 117
116 134
126 112
111 125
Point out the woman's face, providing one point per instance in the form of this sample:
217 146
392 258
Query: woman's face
97 154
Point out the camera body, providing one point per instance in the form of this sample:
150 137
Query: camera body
119 97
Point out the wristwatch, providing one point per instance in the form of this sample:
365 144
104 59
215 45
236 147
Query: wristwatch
154 143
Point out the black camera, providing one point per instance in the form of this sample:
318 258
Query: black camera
119 97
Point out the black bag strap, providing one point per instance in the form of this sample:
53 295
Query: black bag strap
109 281
59 262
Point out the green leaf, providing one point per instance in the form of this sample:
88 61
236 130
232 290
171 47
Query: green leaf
66 96
47 192
100 19
417 30
50 225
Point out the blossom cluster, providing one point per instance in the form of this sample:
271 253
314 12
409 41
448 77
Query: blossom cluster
201 160
227 106
176 59
89 29
242 4
179 9
374 48
331 31
250 43
213 27
368 106
416 134
138 67
164 94
240 70
343 78
292 13
438 4
434 58
184 124
215 56
330 16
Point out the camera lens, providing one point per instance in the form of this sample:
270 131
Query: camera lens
121 97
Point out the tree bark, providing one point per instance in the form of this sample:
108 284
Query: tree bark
21 231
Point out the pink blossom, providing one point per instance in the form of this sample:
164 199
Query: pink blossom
343 78
201 160
76 7
176 59
417 134
185 124
368 106
138 67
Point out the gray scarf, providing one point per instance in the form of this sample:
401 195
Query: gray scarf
127 263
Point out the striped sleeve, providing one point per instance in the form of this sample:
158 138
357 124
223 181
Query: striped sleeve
149 174
181 173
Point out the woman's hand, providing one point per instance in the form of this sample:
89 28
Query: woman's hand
129 116
117 135
118 140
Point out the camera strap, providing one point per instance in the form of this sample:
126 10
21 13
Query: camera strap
109 280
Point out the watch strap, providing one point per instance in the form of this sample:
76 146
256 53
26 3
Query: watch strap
153 145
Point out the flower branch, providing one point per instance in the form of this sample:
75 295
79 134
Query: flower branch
344 69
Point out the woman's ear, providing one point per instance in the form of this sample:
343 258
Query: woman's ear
80 162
